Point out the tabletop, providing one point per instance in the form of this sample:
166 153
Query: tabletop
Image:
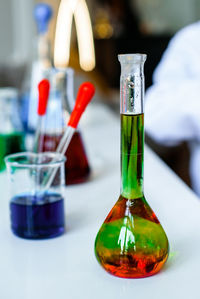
66 267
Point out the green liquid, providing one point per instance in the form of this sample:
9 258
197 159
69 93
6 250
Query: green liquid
132 149
131 242
9 144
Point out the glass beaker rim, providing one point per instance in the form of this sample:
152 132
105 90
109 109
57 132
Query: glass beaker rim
132 58
15 160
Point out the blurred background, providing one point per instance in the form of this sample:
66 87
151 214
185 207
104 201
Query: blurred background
119 26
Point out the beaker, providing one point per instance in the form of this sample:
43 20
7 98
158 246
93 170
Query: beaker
35 212
131 243
60 105
11 134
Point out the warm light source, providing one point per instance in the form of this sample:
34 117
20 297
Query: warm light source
79 9
63 34
85 36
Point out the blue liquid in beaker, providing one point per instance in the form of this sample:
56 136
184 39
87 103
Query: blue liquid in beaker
37 216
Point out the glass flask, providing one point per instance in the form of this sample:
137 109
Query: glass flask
131 243
60 105
11 134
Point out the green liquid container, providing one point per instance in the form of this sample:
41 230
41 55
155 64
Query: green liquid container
12 138
10 143
131 242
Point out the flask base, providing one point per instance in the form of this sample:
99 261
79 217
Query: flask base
131 243
134 267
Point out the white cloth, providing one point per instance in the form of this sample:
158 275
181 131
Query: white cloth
172 103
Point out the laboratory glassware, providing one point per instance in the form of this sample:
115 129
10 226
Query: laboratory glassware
12 137
60 106
36 212
131 243
41 61
85 93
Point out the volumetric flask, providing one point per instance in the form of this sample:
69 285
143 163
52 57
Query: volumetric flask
131 243
35 212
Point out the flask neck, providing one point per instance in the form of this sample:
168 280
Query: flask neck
61 100
132 124
44 51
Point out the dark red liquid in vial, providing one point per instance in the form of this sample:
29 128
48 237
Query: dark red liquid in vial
77 168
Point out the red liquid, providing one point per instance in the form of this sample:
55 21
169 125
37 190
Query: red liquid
77 169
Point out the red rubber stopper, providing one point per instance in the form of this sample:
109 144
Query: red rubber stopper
43 88
85 94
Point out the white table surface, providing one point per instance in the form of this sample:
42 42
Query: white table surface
66 267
